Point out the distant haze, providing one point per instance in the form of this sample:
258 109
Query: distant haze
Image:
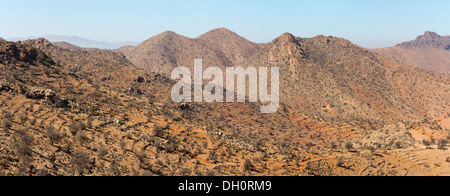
78 41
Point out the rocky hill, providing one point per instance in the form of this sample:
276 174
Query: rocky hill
429 52
428 39
333 79
220 48
101 66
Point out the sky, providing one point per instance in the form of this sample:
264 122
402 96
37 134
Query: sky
368 23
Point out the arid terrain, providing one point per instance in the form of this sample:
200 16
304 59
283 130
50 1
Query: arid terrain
344 111
429 51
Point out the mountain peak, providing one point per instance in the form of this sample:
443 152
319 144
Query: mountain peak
430 35
285 38
165 34
428 39
219 32
168 33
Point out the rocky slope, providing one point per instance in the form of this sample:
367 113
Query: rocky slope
54 122
333 79
429 52
60 116
100 66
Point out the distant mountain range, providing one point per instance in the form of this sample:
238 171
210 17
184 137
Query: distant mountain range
78 41
429 51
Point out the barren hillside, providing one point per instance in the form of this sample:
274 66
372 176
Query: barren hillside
71 111
429 52
220 48
333 79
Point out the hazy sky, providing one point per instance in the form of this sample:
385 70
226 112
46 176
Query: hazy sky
369 23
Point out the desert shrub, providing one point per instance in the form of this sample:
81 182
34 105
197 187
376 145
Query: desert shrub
340 162
53 134
442 144
81 137
172 145
158 131
33 121
49 61
141 156
76 127
317 169
6 124
23 119
23 149
24 136
114 170
47 72
80 163
42 172
185 172
40 57
426 143
96 94
349 146
102 152
398 145
210 173
123 145
7 115
248 165
333 145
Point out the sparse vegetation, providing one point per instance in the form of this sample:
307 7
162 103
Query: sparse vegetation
158 131
442 144
349 146
53 134
115 124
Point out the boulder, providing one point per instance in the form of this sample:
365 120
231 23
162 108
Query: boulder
49 96
37 93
